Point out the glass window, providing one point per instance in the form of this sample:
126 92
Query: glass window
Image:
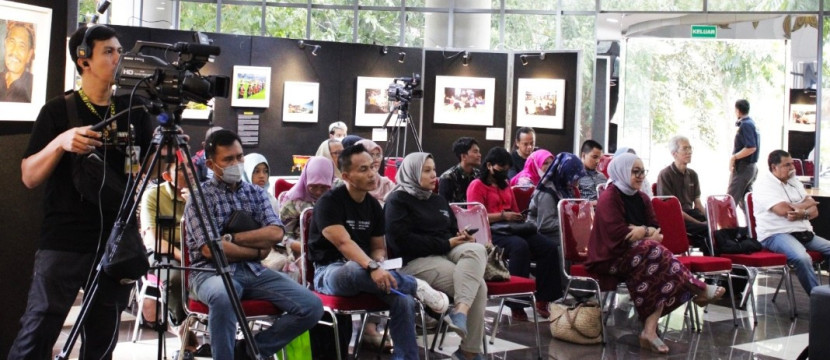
417 3
654 5
525 5
86 10
395 3
332 25
415 21
197 16
333 2
578 34
764 5
824 143
289 1
579 5
379 27
525 32
242 19
285 22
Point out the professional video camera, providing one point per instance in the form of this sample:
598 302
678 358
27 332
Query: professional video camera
173 83
403 89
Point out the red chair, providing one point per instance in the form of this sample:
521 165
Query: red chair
603 164
750 216
722 214
256 311
474 215
391 169
281 186
654 189
809 167
362 304
523 194
799 167
673 227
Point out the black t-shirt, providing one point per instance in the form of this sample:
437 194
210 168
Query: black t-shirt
362 220
71 223
418 228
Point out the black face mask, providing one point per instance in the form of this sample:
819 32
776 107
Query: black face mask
500 176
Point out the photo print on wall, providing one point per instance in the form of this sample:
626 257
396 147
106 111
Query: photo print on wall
301 101
540 103
251 86
24 51
372 101
463 100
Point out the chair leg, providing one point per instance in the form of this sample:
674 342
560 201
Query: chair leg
424 329
791 295
496 322
337 335
139 309
732 298
778 288
187 323
536 322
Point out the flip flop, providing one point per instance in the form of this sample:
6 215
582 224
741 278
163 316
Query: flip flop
655 345
711 294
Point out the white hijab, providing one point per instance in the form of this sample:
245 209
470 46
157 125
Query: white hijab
619 172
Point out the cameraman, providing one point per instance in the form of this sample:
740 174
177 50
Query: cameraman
73 233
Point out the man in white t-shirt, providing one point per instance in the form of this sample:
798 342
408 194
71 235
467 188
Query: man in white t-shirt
783 211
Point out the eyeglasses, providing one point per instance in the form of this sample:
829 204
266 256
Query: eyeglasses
336 153
639 172
377 156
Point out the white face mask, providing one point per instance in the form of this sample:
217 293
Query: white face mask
232 174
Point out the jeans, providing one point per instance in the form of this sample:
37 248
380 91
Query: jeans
521 250
301 308
58 275
349 279
797 255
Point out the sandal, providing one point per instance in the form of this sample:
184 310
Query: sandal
655 345
711 294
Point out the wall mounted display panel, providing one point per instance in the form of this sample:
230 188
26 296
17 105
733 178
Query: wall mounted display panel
26 30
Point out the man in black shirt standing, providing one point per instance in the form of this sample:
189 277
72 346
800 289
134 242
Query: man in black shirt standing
347 247
72 236
742 168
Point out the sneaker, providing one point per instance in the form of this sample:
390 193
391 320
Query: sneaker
457 322
542 309
519 314
433 299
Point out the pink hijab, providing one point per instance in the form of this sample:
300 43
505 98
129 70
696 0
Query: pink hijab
384 184
532 172
318 171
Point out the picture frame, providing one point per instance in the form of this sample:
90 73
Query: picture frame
372 105
802 117
28 62
462 100
540 103
301 101
251 86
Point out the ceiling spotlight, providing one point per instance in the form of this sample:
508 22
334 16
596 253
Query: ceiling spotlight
541 56
465 59
401 57
523 58
314 51
384 50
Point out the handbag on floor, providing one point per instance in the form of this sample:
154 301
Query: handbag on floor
576 322
297 349
496 268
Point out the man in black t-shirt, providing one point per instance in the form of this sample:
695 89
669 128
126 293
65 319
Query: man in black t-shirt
72 235
347 245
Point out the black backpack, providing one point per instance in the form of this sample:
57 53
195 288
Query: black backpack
735 241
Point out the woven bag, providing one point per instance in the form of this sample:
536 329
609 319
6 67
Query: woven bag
579 323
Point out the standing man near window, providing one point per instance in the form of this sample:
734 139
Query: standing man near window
742 169
525 144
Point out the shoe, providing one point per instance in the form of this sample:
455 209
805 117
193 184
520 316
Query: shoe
519 314
655 345
432 323
457 322
459 355
187 355
711 294
203 351
433 299
542 309
240 351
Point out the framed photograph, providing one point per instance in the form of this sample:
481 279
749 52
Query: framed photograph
802 117
463 100
25 30
540 103
301 102
372 103
251 86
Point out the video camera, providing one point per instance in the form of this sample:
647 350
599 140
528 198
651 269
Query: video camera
173 83
403 89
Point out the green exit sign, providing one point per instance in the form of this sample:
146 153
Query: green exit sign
704 31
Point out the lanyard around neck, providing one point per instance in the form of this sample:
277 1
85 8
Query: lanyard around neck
89 105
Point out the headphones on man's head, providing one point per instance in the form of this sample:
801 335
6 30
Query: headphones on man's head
84 51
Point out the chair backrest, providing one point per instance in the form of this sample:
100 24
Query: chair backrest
603 163
749 211
721 213
523 194
670 216
576 220
474 215
435 189
799 166
809 167
654 189
391 169
282 185
281 199
306 267
600 188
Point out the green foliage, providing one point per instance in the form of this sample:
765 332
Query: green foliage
379 27
764 5
86 9
198 17
332 25
655 5
241 19
285 22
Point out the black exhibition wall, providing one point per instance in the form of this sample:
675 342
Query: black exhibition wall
441 136
22 214
556 65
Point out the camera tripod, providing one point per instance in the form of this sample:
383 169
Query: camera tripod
167 136
403 120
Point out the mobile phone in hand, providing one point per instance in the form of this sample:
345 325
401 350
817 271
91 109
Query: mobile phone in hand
472 231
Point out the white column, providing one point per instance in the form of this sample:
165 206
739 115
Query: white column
468 30
144 13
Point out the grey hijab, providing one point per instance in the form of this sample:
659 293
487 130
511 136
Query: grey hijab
619 172
409 175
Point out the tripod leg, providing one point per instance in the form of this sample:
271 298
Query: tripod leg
89 299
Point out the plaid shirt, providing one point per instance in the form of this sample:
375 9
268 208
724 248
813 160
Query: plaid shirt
221 202
454 182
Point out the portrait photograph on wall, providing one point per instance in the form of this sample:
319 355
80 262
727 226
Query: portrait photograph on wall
251 86
540 103
25 31
372 103
301 102
802 117
463 100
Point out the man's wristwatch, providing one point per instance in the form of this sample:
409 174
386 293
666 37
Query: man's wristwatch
227 237
372 266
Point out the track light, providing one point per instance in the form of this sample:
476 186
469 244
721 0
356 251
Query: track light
541 56
384 50
314 51
314 48
465 59
301 44
401 57
523 58
100 10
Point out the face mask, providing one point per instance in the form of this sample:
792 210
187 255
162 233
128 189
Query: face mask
500 176
232 174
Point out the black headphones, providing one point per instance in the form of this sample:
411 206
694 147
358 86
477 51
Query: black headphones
84 51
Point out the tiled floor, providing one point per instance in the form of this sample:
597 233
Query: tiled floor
774 337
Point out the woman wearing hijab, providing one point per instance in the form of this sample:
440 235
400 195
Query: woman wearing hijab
557 184
331 149
257 172
384 184
625 246
317 178
492 191
535 166
646 188
449 260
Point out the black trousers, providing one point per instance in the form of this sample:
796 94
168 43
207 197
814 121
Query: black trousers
698 233
58 275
